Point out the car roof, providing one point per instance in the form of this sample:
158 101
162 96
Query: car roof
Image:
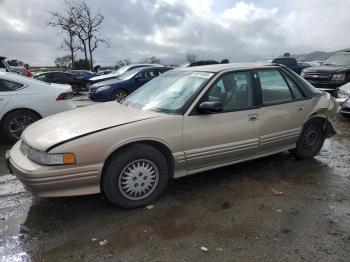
221 67
142 65
49 72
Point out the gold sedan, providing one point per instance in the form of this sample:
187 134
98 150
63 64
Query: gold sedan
183 122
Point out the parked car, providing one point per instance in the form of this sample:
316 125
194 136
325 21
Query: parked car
333 73
119 72
344 100
22 71
83 73
184 122
24 101
103 72
118 89
199 63
292 63
77 82
4 66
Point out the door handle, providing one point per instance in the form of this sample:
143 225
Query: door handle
301 108
253 117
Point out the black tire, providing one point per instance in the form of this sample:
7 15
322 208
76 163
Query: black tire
76 89
117 169
119 95
310 140
15 122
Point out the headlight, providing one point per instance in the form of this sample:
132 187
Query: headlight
343 94
103 88
302 74
338 77
47 158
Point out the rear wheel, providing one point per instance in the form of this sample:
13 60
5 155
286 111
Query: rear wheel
310 140
119 95
135 176
15 122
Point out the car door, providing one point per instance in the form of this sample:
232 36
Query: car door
58 78
221 138
283 112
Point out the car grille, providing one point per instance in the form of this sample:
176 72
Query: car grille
319 78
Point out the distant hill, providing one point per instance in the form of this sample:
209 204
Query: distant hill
316 56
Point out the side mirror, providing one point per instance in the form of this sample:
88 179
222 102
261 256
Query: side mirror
211 107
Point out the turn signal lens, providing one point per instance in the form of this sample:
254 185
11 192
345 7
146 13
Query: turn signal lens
68 159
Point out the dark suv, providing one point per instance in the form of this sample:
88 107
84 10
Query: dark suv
333 73
292 63
3 65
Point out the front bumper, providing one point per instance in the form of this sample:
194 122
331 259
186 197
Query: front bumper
54 181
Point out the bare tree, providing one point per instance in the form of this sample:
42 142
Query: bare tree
64 61
66 22
191 58
150 60
123 62
89 25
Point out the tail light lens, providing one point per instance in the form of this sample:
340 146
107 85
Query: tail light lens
64 96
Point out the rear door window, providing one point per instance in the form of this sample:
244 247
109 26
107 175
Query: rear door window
274 88
295 89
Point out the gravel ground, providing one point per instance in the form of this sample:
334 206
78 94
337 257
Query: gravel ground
271 209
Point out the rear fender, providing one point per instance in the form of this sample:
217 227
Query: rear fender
327 125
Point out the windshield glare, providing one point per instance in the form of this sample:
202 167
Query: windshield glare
338 60
169 92
130 74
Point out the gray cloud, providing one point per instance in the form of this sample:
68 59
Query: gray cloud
171 28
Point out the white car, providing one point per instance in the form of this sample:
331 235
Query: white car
117 73
24 100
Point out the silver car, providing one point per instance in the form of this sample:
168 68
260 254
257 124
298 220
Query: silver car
183 122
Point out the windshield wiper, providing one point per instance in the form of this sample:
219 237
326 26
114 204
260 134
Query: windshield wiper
330 64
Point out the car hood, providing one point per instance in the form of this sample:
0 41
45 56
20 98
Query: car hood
103 77
108 82
326 69
72 124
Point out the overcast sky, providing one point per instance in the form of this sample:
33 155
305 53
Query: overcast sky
169 29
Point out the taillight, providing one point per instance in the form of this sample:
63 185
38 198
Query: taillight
29 74
64 96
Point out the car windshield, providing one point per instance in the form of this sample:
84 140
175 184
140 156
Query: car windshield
338 60
121 70
130 74
169 92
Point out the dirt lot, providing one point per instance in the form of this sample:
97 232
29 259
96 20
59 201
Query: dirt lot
272 209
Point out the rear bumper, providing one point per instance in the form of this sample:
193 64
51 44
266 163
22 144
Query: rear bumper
54 181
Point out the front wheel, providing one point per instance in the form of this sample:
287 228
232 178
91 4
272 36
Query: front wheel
135 177
310 140
119 95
